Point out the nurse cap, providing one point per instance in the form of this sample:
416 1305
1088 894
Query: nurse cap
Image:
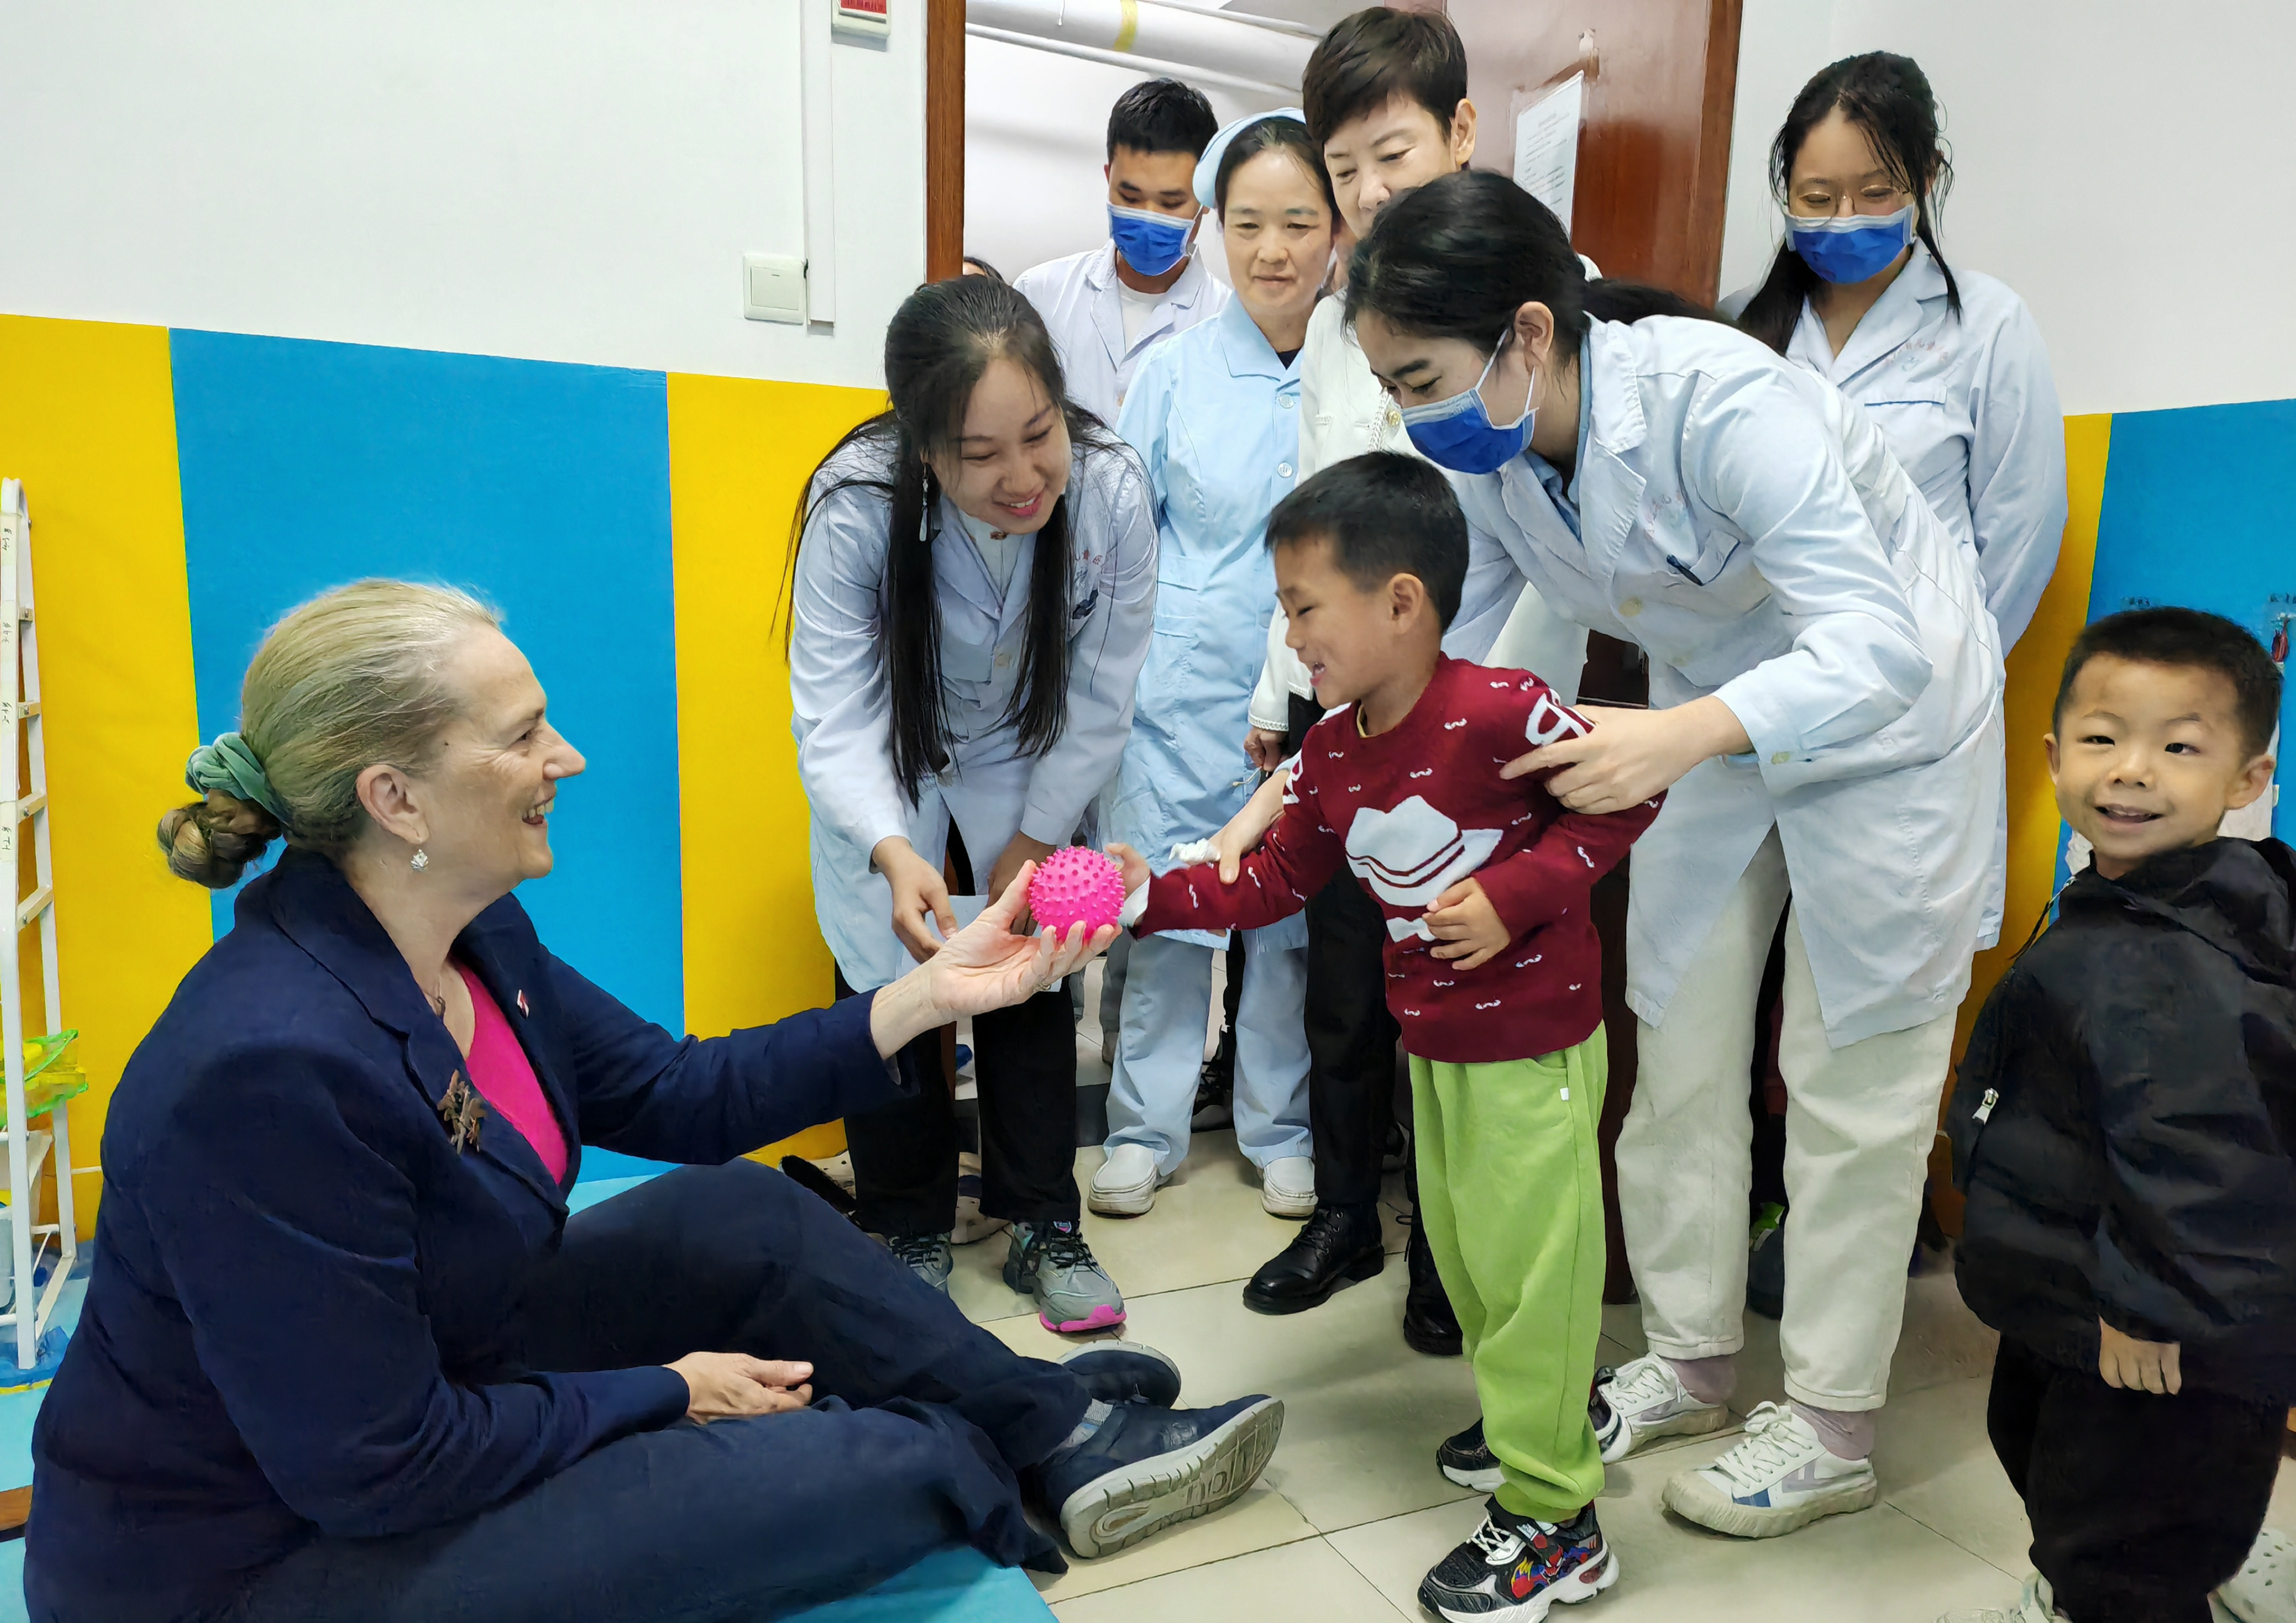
1207 166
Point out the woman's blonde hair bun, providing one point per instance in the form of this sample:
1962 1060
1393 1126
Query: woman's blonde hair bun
211 841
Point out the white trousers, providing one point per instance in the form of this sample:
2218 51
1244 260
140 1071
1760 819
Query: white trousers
1167 1007
1859 1123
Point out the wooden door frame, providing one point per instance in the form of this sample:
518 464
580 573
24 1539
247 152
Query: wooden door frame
944 139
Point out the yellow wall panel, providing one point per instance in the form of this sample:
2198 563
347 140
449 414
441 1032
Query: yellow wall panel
87 421
740 452
2034 664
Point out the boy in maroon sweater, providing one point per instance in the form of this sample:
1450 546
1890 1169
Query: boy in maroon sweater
1494 974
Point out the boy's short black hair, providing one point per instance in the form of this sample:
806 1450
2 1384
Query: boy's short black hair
2193 638
1374 55
1384 514
1162 116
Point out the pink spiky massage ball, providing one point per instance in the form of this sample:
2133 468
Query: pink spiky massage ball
1076 885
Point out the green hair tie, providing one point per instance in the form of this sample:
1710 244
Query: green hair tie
229 765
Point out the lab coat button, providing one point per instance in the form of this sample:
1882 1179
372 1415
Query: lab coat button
1779 757
1286 403
1631 607
1394 415
1284 469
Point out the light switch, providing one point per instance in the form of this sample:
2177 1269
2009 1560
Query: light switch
773 288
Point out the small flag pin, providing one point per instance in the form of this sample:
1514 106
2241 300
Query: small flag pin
523 1008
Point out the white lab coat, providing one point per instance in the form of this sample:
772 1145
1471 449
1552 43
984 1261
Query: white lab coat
1747 526
1502 620
1082 311
1970 409
841 720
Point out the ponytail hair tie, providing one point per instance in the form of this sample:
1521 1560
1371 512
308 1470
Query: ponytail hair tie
230 765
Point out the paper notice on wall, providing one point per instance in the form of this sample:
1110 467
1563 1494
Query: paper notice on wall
1546 146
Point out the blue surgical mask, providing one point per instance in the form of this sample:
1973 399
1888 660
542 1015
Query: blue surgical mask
1855 248
1458 433
1151 243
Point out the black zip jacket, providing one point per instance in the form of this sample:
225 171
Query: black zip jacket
2125 1116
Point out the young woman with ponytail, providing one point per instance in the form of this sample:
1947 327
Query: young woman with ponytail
1951 365
1824 693
971 595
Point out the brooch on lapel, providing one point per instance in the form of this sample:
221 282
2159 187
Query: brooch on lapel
463 1110
523 1008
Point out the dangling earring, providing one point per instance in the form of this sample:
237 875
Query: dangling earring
419 860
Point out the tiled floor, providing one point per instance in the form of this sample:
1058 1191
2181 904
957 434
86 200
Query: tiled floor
1352 1512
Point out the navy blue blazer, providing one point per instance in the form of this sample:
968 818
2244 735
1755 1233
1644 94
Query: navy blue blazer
298 1283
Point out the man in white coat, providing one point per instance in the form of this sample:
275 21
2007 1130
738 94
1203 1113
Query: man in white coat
1104 306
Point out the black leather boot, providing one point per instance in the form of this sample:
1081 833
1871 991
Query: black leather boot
1336 1243
1429 1324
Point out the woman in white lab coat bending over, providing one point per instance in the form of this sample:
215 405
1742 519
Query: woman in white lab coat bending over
973 588
1951 365
1825 690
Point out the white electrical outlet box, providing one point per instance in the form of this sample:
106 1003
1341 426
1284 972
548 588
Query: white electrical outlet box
773 288
861 20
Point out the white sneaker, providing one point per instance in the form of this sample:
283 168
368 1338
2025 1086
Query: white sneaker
1287 1188
2035 1605
1647 1400
2264 1589
1780 1478
1125 1186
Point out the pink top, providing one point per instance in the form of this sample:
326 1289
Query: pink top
502 1075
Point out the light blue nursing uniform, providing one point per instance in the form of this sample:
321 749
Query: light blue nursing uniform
1969 407
1215 416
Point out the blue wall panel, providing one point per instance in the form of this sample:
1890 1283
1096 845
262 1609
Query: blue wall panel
542 488
2196 512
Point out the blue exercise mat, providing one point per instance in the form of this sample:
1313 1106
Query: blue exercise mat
954 1586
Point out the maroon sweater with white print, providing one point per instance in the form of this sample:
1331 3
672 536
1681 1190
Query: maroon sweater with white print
1413 812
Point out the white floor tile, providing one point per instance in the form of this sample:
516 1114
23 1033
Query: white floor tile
1363 1413
1937 1465
1301 1581
1262 1519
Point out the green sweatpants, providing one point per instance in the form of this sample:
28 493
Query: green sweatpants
1510 1198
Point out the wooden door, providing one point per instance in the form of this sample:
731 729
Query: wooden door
1654 148
945 139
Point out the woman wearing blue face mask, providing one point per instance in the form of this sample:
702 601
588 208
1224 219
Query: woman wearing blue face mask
1825 689
1951 366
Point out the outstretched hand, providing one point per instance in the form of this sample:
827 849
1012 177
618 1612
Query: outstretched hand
983 966
986 966
1137 871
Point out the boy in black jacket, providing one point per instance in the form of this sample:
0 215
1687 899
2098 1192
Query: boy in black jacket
2124 1124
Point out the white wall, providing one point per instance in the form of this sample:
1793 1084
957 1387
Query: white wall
1036 134
568 180
2115 163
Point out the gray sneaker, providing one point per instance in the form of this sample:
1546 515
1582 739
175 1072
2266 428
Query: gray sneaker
1051 1262
926 1256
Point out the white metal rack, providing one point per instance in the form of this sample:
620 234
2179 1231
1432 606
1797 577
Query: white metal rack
28 1146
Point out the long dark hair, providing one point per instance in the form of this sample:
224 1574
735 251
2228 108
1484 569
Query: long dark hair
938 345
1888 97
1457 258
